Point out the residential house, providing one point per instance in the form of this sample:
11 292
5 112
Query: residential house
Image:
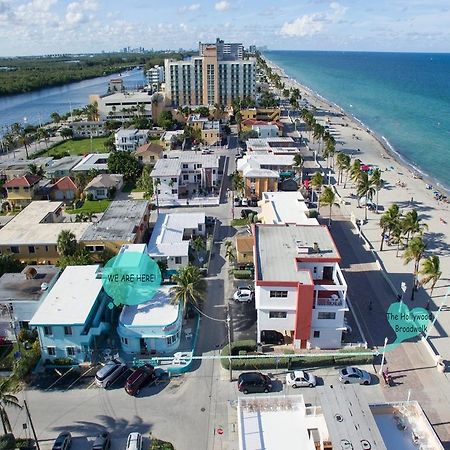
300 290
63 190
171 236
266 131
87 128
172 139
129 139
73 315
244 249
149 153
104 186
185 174
123 222
211 130
273 145
62 167
93 161
21 294
264 114
32 235
13 168
22 190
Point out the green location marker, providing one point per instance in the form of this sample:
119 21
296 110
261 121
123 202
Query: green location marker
131 278
406 323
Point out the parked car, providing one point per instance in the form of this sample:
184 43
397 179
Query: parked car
237 201
300 378
63 441
102 441
207 151
272 337
253 202
109 373
140 378
244 202
250 382
134 441
247 212
243 295
354 375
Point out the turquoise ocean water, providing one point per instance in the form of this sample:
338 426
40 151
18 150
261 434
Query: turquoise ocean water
403 97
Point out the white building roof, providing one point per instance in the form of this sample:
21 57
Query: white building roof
28 227
265 159
167 236
93 161
167 167
158 312
169 135
129 97
72 297
130 132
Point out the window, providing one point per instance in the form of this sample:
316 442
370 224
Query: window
70 351
31 249
90 248
124 340
67 331
14 249
177 259
185 177
278 294
326 315
174 191
51 351
185 166
172 339
48 331
316 334
277 314
99 248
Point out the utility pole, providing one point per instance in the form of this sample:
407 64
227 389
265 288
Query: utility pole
230 368
31 423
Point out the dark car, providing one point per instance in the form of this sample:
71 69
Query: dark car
140 378
102 441
272 337
250 382
253 202
247 212
63 441
109 373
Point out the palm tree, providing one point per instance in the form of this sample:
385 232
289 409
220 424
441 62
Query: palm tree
298 165
364 189
66 243
377 183
43 134
190 287
329 150
389 220
328 197
397 235
198 244
414 252
35 170
89 216
237 182
7 400
355 170
22 137
229 251
316 183
431 272
412 224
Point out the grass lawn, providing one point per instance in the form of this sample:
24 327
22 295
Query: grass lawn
130 187
239 222
77 147
93 206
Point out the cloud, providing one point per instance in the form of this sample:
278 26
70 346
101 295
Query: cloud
311 24
222 6
193 7
76 11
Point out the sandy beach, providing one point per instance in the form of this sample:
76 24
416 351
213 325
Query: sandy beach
402 185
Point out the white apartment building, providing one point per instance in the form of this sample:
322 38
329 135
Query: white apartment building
129 139
172 235
266 131
124 105
155 76
216 76
277 145
300 290
87 128
180 175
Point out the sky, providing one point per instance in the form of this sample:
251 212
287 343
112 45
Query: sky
34 27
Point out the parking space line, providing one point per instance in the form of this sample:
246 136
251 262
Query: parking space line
84 373
92 384
59 379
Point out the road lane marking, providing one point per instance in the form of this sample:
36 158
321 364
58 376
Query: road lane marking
84 373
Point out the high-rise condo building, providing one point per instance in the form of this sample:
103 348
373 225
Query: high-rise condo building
218 75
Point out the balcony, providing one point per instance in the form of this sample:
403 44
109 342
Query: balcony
332 300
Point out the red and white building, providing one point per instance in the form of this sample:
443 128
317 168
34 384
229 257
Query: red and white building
300 290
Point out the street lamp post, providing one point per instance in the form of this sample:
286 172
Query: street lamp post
382 358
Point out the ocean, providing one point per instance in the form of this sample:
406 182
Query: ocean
403 97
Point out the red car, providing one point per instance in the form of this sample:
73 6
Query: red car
140 378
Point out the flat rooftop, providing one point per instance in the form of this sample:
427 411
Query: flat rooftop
20 287
97 161
168 233
72 297
167 167
157 312
119 223
17 164
64 163
278 247
29 227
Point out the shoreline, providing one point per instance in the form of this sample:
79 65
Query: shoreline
415 171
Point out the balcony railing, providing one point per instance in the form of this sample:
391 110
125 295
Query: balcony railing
333 300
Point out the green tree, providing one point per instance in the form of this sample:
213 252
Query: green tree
298 166
414 252
237 182
389 221
190 287
412 224
431 272
81 257
198 244
21 135
66 133
8 264
126 164
364 189
55 117
165 120
317 183
377 183
203 111
145 183
328 197
66 244
7 400
229 251
36 170
343 165
355 170
42 133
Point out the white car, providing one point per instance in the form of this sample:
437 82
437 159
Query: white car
244 202
300 378
134 441
354 375
109 373
243 295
